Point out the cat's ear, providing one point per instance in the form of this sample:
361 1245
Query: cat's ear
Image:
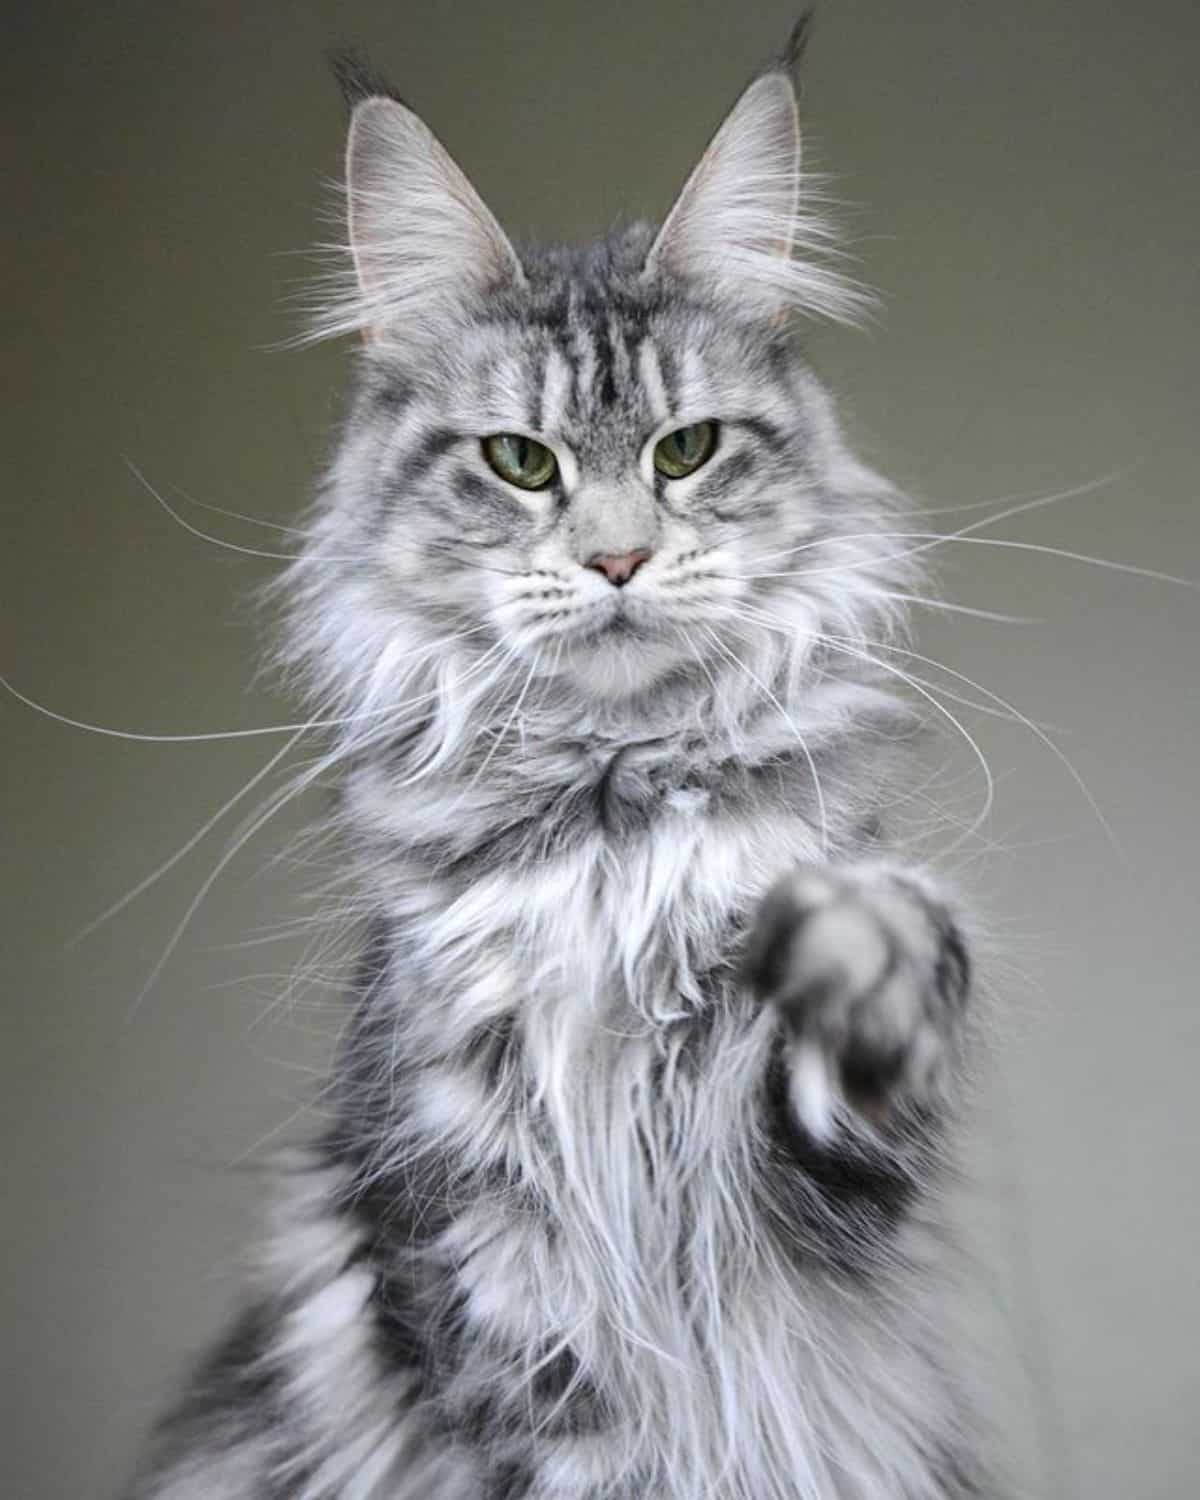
419 233
747 226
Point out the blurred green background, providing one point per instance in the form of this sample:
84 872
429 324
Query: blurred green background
1023 190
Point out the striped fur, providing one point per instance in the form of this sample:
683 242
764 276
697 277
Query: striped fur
632 1182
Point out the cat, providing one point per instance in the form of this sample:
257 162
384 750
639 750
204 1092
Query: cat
632 1184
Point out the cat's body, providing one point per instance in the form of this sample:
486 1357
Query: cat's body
631 1181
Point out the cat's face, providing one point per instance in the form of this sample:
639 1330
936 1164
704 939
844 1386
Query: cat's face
596 473
600 465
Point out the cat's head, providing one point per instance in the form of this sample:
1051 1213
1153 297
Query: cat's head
608 465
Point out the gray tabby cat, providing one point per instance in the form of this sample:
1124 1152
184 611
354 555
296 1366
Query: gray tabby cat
631 1185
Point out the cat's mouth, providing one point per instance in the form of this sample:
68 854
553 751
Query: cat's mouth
621 626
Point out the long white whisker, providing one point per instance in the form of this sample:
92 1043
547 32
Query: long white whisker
186 848
220 541
165 739
1030 724
807 753
755 616
933 538
437 755
237 515
937 540
960 609
700 662
275 804
507 725
197 738
1089 487
204 536
990 793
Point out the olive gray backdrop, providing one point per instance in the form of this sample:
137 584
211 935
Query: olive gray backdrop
1023 189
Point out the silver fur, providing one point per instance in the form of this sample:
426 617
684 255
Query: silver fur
640 1120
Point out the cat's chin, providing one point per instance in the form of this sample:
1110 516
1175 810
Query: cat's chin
619 664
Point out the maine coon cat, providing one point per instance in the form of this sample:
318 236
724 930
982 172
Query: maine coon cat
631 1185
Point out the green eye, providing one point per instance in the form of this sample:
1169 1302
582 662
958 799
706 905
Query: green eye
520 460
683 451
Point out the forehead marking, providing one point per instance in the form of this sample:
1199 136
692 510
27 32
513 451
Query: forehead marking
605 361
622 358
585 364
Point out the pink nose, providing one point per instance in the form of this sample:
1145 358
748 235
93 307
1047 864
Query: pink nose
619 570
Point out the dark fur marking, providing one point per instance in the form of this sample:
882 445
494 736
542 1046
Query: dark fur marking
729 471
495 1048
391 391
510 1480
862 1193
605 363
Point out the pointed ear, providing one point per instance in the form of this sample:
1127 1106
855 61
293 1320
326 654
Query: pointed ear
745 226
419 232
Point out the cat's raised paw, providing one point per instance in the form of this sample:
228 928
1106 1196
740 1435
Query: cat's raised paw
868 974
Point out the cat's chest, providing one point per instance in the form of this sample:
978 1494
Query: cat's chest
639 904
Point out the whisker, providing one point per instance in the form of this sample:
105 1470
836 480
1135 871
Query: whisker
1030 724
807 753
186 848
934 538
163 739
204 737
1020 497
990 792
507 725
270 808
438 755
699 655
1004 709
961 609
237 515
274 805
754 616
204 536
456 550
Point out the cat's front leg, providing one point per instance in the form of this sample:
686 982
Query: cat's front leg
869 974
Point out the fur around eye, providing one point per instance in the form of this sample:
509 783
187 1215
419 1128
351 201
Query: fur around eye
683 451
520 460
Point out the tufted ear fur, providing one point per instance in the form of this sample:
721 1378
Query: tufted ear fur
745 225
419 232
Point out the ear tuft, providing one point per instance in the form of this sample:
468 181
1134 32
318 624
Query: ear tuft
792 56
357 79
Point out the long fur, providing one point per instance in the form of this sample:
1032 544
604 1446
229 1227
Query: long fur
601 1212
